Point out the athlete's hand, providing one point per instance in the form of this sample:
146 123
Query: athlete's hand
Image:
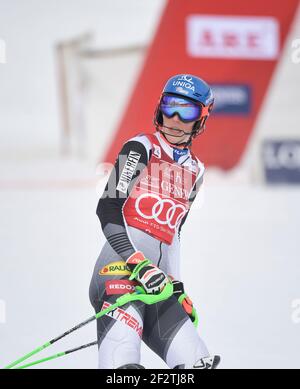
152 279
185 301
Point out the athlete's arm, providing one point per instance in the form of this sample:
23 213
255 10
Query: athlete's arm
131 160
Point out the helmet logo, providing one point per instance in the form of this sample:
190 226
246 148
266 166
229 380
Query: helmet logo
186 78
184 82
179 89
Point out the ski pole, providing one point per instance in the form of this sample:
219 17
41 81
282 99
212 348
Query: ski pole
46 345
140 295
61 354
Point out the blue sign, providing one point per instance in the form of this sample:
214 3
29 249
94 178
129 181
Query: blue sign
281 160
231 99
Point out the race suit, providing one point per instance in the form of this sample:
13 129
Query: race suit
144 205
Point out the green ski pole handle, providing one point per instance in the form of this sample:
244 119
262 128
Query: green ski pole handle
146 298
122 300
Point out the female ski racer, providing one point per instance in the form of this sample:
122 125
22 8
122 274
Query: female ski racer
146 201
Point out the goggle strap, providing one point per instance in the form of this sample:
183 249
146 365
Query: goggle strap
205 111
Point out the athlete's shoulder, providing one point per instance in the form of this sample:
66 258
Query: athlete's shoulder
144 139
199 164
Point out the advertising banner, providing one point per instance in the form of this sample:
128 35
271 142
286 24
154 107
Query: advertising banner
281 161
234 46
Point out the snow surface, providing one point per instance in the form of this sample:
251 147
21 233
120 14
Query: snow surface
240 264
240 244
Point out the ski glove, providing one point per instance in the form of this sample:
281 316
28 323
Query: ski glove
185 301
152 279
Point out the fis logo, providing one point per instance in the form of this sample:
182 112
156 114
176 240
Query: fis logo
157 151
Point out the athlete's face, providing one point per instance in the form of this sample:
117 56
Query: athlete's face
175 123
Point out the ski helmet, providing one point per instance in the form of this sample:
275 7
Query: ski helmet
192 88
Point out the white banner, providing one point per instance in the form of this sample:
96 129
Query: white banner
232 37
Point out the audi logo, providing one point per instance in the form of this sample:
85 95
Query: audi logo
163 211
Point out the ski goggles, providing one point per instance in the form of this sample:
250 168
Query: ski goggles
186 110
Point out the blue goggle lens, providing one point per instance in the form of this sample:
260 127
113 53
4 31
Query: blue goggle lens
186 109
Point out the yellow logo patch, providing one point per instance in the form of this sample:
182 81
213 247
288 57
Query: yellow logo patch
115 268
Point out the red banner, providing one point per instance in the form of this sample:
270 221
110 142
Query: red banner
234 46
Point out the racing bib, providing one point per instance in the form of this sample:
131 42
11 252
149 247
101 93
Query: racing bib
160 197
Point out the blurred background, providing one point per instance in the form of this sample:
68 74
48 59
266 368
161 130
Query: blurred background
79 78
